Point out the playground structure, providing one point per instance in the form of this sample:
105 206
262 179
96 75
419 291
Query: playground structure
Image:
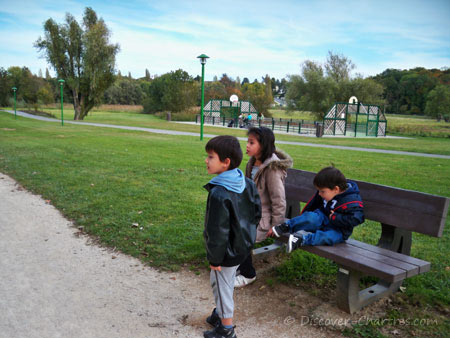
355 119
217 110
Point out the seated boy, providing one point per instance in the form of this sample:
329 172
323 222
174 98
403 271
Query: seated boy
233 211
329 217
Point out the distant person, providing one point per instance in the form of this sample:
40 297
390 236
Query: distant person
267 166
233 211
249 120
330 216
241 118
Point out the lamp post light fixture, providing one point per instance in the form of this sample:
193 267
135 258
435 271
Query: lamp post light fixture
15 113
202 58
61 84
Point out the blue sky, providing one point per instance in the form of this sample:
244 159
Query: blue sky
243 38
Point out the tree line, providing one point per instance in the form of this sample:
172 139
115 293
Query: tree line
82 55
414 91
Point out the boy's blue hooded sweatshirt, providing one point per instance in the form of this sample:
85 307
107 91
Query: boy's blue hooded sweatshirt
232 180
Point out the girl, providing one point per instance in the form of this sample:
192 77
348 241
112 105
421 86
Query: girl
267 166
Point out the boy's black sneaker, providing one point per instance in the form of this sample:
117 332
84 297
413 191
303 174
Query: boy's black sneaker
280 229
220 332
295 241
214 319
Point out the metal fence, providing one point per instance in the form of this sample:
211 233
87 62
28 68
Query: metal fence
290 126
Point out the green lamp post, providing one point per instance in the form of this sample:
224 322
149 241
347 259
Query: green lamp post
15 113
202 58
61 84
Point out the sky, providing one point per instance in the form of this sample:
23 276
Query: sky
243 38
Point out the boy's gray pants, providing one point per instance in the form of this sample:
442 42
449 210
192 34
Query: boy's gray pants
226 287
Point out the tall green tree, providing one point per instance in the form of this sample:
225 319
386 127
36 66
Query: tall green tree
5 87
438 102
338 67
174 91
311 91
319 87
256 94
82 56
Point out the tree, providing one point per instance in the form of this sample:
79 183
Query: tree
438 102
415 87
147 75
5 87
214 90
174 91
238 83
338 67
268 88
366 90
319 87
82 56
124 91
256 94
311 91
244 81
45 95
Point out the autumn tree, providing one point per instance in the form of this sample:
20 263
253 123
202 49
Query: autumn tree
81 55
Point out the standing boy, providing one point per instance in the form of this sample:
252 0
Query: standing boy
329 217
233 212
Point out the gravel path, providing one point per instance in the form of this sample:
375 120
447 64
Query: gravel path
55 283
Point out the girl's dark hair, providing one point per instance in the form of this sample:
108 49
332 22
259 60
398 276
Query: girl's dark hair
226 146
266 139
330 177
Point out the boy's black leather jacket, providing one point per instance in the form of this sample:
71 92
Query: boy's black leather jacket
348 209
230 223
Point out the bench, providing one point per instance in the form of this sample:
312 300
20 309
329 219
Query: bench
400 213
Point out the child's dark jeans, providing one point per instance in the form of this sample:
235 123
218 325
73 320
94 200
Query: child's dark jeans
317 224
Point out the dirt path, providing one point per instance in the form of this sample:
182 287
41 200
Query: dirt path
55 282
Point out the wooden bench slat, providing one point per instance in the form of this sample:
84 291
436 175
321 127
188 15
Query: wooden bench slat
410 269
422 265
343 255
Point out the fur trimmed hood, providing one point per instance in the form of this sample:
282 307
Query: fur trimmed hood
278 161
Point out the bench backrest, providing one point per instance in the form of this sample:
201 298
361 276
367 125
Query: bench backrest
406 209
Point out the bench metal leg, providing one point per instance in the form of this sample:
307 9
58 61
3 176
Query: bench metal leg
351 299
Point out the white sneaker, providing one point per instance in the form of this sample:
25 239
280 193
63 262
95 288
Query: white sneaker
241 281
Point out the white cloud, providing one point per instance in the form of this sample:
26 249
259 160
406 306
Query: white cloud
244 38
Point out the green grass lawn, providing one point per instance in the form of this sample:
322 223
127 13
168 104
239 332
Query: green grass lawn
142 194
132 117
